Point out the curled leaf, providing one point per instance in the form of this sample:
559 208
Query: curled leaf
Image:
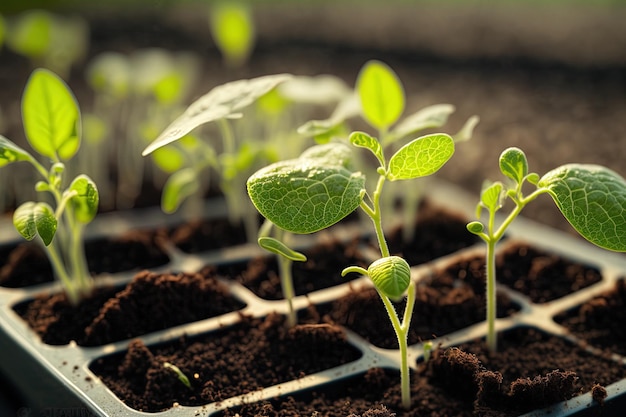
391 276
276 246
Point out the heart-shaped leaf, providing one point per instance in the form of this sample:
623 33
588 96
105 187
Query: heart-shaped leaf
593 199
309 193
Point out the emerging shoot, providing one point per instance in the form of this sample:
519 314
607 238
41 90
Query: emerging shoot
51 119
591 197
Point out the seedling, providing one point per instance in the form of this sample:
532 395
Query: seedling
179 374
591 197
380 100
51 119
233 159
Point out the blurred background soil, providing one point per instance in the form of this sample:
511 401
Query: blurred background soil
548 77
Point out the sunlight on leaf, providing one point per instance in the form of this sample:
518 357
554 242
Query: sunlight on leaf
381 94
513 164
10 152
426 118
593 199
309 193
50 115
221 102
421 157
85 202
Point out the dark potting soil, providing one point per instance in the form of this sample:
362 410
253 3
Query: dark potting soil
531 370
600 321
322 269
438 232
253 354
27 264
150 302
447 301
542 276
204 235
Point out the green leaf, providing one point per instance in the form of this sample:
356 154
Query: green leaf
513 164
223 101
391 276
363 140
276 246
30 33
169 159
178 187
51 116
10 152
381 94
85 202
309 193
233 31
593 199
31 219
426 118
491 197
421 157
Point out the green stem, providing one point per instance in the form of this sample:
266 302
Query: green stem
377 218
228 137
402 331
492 342
59 269
286 282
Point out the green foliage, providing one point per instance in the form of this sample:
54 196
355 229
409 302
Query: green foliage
381 94
421 157
309 193
222 102
276 246
391 276
52 126
593 199
50 116
30 34
233 31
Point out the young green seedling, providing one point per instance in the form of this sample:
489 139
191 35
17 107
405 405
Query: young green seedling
380 100
234 159
51 119
321 187
591 197
179 374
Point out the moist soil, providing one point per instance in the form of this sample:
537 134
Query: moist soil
538 106
530 370
599 321
150 302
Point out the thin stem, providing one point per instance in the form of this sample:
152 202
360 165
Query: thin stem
377 218
402 330
286 282
61 273
492 342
